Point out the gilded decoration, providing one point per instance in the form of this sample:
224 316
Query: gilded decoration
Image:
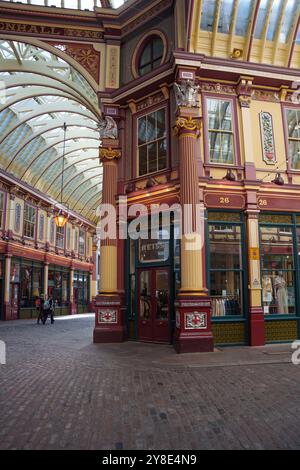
187 124
218 88
224 216
109 154
85 55
267 136
244 91
149 101
263 95
275 219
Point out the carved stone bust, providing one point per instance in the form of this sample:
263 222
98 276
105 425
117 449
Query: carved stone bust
108 128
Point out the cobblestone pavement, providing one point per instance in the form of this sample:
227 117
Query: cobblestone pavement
59 391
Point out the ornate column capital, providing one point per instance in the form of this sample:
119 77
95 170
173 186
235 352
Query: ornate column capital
109 154
188 126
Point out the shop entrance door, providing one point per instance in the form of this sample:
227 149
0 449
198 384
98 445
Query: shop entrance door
154 305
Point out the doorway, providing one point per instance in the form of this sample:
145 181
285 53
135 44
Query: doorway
154 305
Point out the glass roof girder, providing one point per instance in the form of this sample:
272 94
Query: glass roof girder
95 194
71 136
80 185
56 162
57 174
56 125
12 66
51 109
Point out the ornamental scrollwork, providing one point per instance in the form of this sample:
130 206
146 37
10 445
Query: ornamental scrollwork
187 124
109 154
186 94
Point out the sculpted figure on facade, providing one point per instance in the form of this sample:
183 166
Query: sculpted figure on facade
108 128
187 94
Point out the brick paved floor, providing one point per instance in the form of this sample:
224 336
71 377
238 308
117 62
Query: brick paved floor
59 391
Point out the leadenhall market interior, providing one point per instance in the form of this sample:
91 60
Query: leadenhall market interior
169 102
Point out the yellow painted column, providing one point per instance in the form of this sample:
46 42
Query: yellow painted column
108 251
192 243
244 93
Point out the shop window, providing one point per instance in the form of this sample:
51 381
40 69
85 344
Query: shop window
29 221
220 131
293 126
278 270
15 272
31 285
226 270
42 227
151 56
152 142
17 218
58 287
81 248
1 209
60 237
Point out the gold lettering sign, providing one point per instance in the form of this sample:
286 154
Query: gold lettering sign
49 30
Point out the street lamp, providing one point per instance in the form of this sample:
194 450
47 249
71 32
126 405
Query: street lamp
61 219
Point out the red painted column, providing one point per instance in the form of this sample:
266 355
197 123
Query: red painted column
193 306
256 313
109 308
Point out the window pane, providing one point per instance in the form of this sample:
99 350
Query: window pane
143 168
144 70
225 16
215 147
142 130
152 157
278 292
158 48
162 295
294 153
145 295
208 13
277 248
227 148
162 154
146 55
225 247
293 121
161 125
243 16
226 291
151 127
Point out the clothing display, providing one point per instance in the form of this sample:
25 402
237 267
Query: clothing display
281 294
267 288
225 306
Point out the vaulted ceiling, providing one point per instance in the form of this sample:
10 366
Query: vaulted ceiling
39 92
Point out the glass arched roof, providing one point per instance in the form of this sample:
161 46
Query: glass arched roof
41 92
72 4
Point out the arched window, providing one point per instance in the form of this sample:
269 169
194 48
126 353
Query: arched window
151 56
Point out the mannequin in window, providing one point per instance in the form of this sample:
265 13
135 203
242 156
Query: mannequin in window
267 288
281 293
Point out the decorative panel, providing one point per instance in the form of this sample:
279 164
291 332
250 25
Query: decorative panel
267 136
283 330
224 216
229 333
275 219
